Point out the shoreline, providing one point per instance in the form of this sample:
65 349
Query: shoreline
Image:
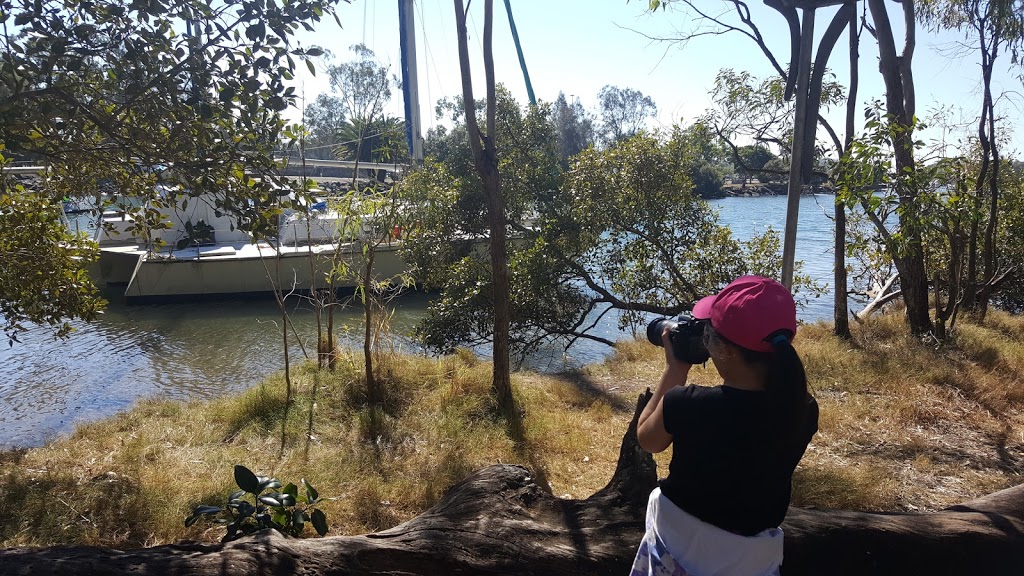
904 427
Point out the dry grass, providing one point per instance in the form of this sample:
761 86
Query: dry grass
910 426
904 426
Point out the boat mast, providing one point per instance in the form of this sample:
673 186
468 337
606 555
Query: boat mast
410 83
519 51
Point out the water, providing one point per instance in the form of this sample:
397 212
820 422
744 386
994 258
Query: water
209 349
814 243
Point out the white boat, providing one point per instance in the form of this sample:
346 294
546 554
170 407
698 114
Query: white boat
226 260
202 253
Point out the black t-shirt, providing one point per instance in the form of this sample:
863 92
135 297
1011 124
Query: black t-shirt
731 464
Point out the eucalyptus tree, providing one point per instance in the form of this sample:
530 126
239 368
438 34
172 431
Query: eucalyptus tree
997 26
483 144
623 113
896 128
187 95
323 118
363 87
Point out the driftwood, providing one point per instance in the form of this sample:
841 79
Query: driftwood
882 296
499 521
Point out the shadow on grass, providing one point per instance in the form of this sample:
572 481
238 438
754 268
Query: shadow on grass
55 508
515 427
528 453
586 386
263 407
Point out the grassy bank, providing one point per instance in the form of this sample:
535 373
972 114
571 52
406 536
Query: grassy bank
904 426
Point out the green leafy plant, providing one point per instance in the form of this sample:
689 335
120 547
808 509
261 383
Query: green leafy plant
259 505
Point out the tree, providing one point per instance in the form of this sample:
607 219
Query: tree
708 162
621 232
895 66
895 130
483 144
996 25
364 86
574 129
752 160
43 279
450 209
748 108
1011 235
624 112
632 235
128 95
324 119
378 140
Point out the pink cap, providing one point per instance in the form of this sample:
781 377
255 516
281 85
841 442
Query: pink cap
748 310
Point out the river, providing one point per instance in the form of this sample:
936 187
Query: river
207 349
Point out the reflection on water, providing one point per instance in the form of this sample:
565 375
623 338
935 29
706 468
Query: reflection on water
180 350
207 349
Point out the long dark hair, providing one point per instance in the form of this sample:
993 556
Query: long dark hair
785 378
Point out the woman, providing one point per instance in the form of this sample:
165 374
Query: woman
735 446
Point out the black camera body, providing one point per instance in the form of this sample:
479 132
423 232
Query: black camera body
686 334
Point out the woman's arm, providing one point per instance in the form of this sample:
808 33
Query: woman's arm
650 429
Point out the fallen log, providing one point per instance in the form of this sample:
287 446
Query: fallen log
499 521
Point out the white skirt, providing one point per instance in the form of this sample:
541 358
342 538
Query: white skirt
679 544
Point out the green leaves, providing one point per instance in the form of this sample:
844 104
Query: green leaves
246 480
43 277
257 32
312 496
622 229
199 512
320 522
255 507
196 86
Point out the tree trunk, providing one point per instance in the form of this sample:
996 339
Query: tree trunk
369 302
499 521
485 156
899 103
991 250
841 304
501 377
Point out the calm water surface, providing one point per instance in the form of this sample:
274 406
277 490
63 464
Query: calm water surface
208 349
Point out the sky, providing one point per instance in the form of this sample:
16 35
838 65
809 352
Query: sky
579 46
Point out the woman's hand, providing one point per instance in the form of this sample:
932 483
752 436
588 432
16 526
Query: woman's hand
650 430
676 370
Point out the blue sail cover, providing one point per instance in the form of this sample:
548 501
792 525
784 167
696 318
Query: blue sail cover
403 33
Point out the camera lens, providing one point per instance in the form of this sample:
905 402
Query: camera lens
656 327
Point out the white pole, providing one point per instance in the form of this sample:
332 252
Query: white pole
798 152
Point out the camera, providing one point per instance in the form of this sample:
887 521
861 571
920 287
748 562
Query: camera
686 334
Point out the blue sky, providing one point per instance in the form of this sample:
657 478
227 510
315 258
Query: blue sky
578 46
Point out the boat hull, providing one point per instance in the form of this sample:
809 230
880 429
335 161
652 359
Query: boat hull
220 271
